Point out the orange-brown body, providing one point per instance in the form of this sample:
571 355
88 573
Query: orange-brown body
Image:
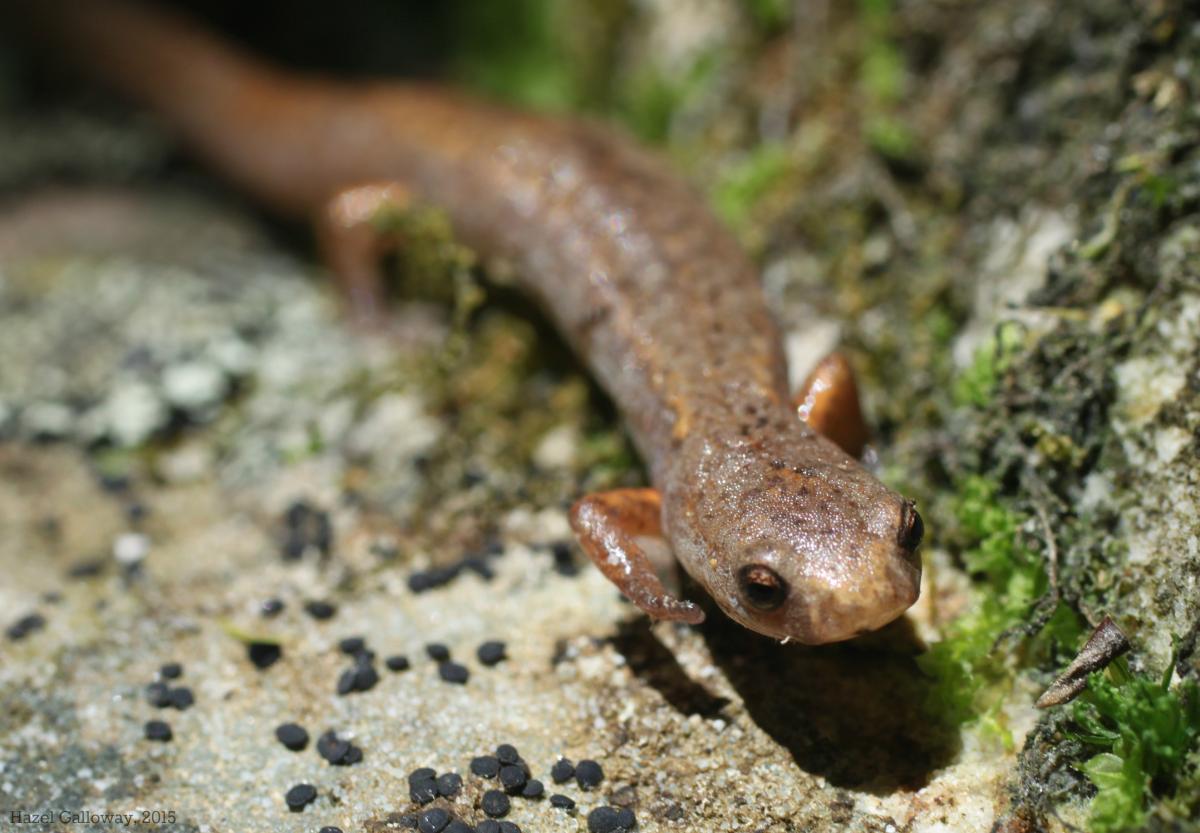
788 533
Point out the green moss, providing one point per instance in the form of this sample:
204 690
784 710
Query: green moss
1148 733
978 382
770 16
971 670
510 50
647 98
882 80
743 185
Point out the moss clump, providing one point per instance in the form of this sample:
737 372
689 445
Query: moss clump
740 187
1148 733
976 385
968 664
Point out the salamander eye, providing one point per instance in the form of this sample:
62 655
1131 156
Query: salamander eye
762 587
912 528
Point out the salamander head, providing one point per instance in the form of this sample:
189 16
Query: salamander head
806 546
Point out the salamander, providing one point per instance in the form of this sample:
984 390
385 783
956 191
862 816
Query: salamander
767 508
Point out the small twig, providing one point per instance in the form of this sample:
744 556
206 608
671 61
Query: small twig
1104 645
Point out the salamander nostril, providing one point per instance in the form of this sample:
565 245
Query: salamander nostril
762 587
912 528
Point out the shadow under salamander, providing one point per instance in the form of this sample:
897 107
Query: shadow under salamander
857 713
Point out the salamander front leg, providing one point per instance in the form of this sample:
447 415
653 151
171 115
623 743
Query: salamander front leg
828 403
606 524
348 231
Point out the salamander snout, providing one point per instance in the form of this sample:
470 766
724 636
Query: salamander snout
815 588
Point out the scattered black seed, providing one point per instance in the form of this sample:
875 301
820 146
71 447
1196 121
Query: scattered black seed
533 789
158 730
435 577
423 792
300 796
181 698
449 784
562 802
331 830
320 610
433 820
264 654
87 569
479 567
588 775
491 653
397 662
437 651
513 778
292 736
346 682
337 751
564 562
24 626
488 826
422 774
562 771
352 645
485 766
509 827
611 820
495 803
305 526
506 753
271 608
452 672
458 826
158 694
171 671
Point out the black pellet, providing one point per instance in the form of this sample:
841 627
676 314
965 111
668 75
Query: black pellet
423 792
181 698
562 771
292 736
157 730
24 626
158 694
533 789
397 663
171 671
485 766
264 654
331 830
320 610
488 826
513 778
588 775
449 784
452 672
611 820
458 826
352 645
300 796
509 827
507 754
437 651
562 802
424 773
433 820
271 608
491 652
495 803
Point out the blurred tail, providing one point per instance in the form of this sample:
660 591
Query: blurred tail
223 103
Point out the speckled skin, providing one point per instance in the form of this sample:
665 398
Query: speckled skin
647 285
